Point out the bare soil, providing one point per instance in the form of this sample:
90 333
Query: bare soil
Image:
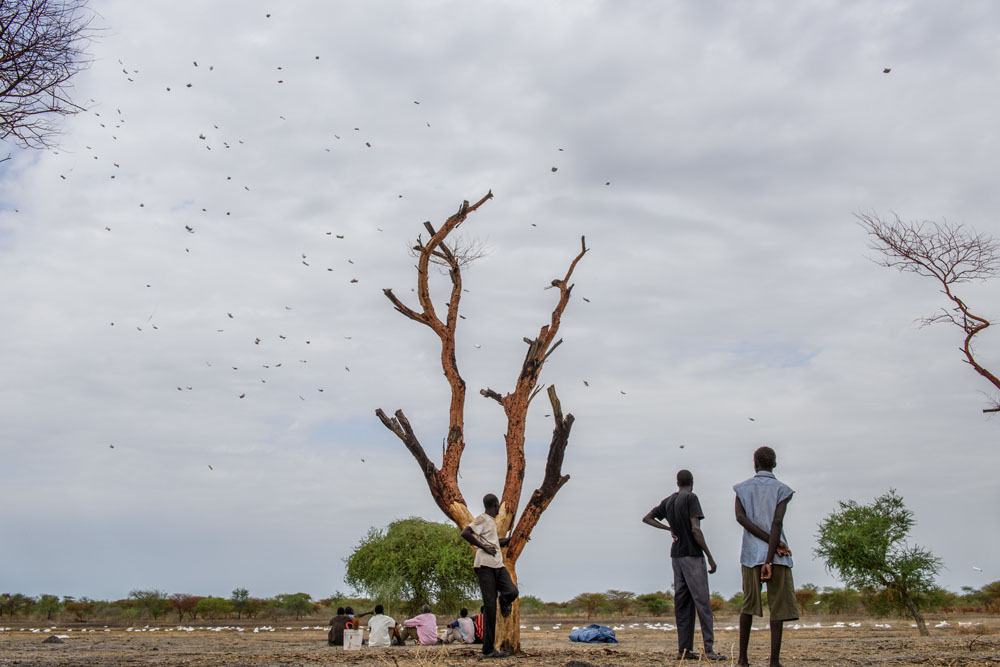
303 644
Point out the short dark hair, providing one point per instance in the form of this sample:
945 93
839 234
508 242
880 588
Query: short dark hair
349 611
464 612
340 611
379 609
765 458
684 478
489 500
426 608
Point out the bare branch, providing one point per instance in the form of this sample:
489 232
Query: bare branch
517 402
41 48
551 482
443 482
950 254
489 393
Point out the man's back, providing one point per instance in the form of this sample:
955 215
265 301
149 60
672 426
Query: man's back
467 629
760 496
378 630
339 623
426 625
677 510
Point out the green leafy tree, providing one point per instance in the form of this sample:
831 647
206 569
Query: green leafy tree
987 597
48 605
413 560
590 602
240 599
213 607
296 604
151 602
530 604
16 604
254 607
658 603
620 600
866 546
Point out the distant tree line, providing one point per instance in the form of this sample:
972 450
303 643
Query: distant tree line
157 605
154 605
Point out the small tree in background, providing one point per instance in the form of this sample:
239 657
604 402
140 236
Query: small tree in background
240 599
151 602
620 600
296 604
806 595
81 609
950 254
213 607
866 546
48 605
182 603
415 562
658 603
590 602
530 604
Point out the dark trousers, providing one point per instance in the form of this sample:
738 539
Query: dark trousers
690 595
493 581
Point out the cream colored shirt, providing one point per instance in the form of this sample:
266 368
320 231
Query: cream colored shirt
485 528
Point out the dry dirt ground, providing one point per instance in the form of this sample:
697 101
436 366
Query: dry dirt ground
951 645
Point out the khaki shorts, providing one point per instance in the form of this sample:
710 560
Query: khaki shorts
780 593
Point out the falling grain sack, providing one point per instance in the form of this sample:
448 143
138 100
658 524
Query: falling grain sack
352 640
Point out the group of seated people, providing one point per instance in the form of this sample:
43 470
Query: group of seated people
385 631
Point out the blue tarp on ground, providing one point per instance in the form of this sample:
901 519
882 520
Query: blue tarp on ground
594 633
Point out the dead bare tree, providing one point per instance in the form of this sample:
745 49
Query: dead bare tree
443 481
41 49
951 254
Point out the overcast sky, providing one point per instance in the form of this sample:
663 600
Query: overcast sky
712 153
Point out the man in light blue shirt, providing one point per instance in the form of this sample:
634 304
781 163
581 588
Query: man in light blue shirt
761 502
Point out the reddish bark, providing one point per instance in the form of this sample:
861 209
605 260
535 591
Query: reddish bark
443 481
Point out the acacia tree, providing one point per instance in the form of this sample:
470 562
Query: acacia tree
41 48
866 546
443 481
950 254
240 600
413 560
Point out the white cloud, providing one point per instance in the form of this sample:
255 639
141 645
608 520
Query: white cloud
726 280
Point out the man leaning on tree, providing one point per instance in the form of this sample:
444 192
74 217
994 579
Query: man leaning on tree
494 579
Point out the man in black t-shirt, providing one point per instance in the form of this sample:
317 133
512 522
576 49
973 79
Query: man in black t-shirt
682 513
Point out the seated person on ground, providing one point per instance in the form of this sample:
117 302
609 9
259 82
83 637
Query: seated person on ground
477 624
338 624
381 628
426 625
461 630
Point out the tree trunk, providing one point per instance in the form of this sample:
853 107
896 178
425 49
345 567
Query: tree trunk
918 617
508 637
